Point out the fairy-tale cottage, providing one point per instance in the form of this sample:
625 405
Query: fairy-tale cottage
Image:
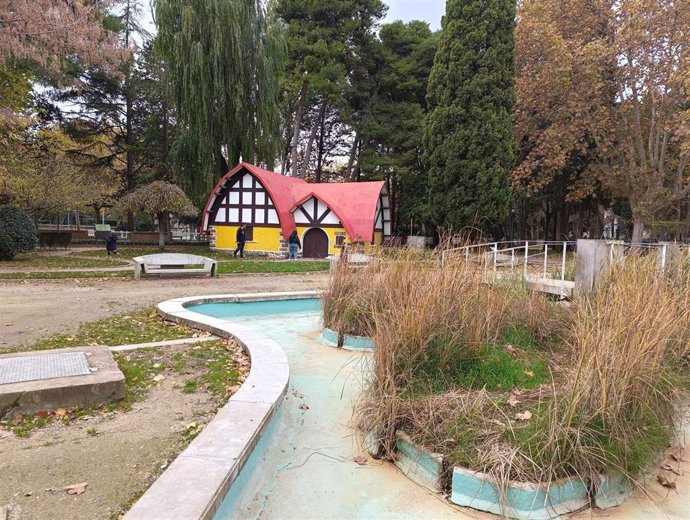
326 215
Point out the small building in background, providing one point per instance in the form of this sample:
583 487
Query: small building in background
326 215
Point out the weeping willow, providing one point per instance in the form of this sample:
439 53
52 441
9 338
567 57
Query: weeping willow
224 58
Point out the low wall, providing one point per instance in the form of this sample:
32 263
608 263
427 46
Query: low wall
519 500
331 338
213 460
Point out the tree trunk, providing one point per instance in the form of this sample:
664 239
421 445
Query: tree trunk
312 136
295 129
638 231
167 171
353 154
161 231
77 219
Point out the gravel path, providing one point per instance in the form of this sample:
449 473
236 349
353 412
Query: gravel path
36 308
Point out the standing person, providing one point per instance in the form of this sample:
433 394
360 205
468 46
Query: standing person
294 244
241 239
111 243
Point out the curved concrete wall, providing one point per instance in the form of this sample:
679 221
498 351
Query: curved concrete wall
195 483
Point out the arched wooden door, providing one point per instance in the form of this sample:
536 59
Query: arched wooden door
315 244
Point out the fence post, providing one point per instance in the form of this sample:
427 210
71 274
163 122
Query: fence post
524 274
495 258
546 257
565 252
512 260
663 257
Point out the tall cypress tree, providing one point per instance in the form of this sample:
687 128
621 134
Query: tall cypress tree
468 141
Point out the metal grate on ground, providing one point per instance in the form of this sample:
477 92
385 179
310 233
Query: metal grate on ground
19 369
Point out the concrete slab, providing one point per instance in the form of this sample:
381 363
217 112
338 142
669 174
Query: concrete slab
105 383
19 369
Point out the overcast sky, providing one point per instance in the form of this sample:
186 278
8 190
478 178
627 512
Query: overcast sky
428 10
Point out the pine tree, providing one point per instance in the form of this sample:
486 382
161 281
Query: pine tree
469 147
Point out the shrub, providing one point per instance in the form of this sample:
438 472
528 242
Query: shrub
51 239
17 232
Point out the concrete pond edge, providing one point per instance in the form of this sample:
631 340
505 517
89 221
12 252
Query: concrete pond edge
194 485
332 338
525 500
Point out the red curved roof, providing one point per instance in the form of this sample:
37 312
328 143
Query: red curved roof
354 203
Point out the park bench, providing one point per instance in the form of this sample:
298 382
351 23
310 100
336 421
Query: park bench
174 264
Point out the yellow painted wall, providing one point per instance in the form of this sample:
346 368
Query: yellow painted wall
265 238
268 238
330 231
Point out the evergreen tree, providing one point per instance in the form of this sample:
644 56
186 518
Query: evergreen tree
328 42
468 141
392 122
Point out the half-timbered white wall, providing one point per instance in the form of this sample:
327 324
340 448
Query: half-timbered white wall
313 212
383 215
246 202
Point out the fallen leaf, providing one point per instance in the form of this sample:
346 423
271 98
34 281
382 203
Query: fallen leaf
297 394
303 407
361 460
524 416
666 482
60 412
677 456
668 467
515 391
511 349
529 373
156 365
42 414
191 426
159 378
512 400
76 489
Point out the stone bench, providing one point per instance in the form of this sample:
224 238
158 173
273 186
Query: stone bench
174 264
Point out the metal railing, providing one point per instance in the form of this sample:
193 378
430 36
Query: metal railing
496 256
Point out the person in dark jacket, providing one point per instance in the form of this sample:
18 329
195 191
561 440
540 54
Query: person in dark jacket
293 244
241 239
111 243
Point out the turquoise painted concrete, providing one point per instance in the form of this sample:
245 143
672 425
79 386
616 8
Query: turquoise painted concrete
329 337
229 310
419 465
304 469
522 501
235 501
612 491
358 343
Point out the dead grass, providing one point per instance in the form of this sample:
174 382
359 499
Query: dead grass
608 400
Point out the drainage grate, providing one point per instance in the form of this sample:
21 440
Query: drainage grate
20 369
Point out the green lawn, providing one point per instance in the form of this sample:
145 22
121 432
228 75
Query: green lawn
59 275
48 264
41 260
140 326
272 266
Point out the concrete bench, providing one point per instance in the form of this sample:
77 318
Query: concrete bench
174 264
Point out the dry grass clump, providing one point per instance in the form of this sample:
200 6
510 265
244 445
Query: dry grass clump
436 327
348 302
629 340
451 354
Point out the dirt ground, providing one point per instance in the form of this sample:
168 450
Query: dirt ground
119 454
31 309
